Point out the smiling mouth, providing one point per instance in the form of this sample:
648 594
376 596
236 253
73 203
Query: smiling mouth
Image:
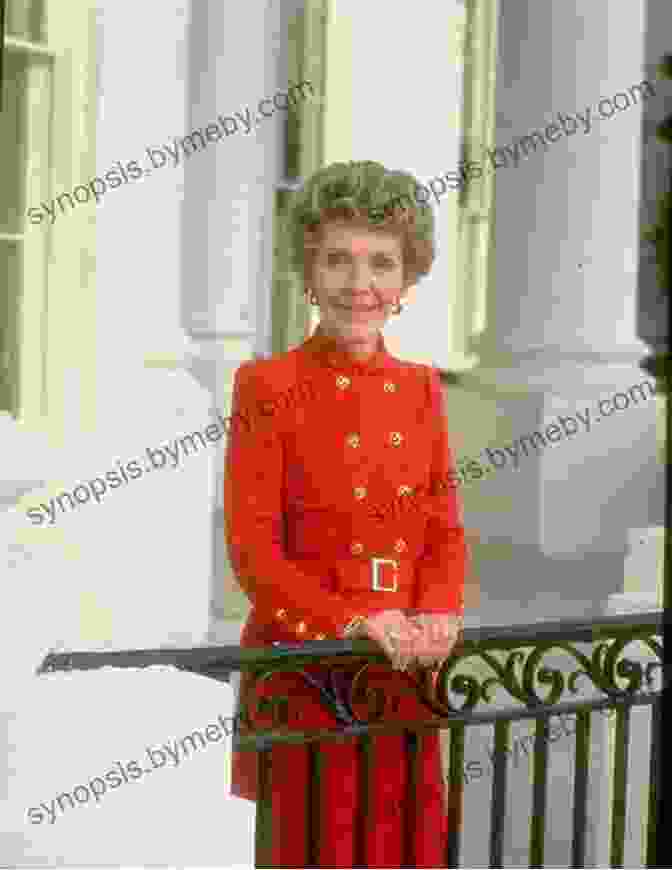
358 309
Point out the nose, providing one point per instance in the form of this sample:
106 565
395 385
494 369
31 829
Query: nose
360 276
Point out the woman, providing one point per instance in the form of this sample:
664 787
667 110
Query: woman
304 475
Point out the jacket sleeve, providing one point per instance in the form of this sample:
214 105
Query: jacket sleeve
254 509
440 571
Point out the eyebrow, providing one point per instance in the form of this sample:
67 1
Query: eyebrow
346 250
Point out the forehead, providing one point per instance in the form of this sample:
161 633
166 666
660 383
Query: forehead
360 240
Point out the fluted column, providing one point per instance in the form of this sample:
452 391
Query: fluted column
138 251
159 521
228 189
564 274
560 329
555 501
236 60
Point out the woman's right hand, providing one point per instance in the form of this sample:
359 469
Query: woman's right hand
394 632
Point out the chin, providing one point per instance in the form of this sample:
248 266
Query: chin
354 329
362 331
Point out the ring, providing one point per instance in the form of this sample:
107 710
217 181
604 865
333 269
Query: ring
391 637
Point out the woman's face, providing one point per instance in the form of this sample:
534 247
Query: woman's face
358 277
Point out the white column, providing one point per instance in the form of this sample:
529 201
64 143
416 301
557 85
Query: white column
141 106
561 328
236 60
228 197
564 276
138 571
561 311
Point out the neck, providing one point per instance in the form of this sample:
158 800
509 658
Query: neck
359 348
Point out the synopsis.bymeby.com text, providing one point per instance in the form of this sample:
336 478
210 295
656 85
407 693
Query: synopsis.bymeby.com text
156 757
248 421
169 154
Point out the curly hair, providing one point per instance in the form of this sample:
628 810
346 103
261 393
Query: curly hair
365 193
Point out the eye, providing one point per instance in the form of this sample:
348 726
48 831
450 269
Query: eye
336 258
384 263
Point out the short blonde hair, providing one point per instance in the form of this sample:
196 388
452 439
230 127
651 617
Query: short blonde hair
366 194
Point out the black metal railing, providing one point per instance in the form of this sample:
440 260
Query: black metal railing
517 659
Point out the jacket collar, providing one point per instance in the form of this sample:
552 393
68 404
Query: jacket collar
325 350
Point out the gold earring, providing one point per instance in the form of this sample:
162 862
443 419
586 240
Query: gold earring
398 307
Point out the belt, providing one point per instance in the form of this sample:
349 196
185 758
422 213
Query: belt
376 577
376 584
376 574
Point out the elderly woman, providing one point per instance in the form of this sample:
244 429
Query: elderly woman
327 433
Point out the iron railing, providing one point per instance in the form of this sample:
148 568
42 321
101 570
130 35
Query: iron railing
517 659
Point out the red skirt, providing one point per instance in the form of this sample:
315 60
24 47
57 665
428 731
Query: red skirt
436 812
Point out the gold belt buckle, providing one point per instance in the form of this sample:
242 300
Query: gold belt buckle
375 585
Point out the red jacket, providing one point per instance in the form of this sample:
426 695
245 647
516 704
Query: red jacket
318 446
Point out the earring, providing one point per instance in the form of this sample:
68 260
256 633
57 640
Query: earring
398 307
312 298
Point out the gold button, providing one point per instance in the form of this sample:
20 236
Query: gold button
396 438
360 492
281 614
342 382
400 545
353 440
389 387
356 548
300 628
320 637
405 490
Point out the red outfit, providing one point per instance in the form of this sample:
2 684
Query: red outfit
318 440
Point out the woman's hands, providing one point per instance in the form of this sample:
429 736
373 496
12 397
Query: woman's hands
428 638
439 634
395 633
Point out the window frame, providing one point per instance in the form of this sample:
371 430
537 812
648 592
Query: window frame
56 261
293 320
477 200
291 316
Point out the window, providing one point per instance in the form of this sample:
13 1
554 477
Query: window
46 131
24 153
292 318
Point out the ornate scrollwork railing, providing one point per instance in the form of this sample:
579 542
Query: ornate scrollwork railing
599 657
511 658
521 667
